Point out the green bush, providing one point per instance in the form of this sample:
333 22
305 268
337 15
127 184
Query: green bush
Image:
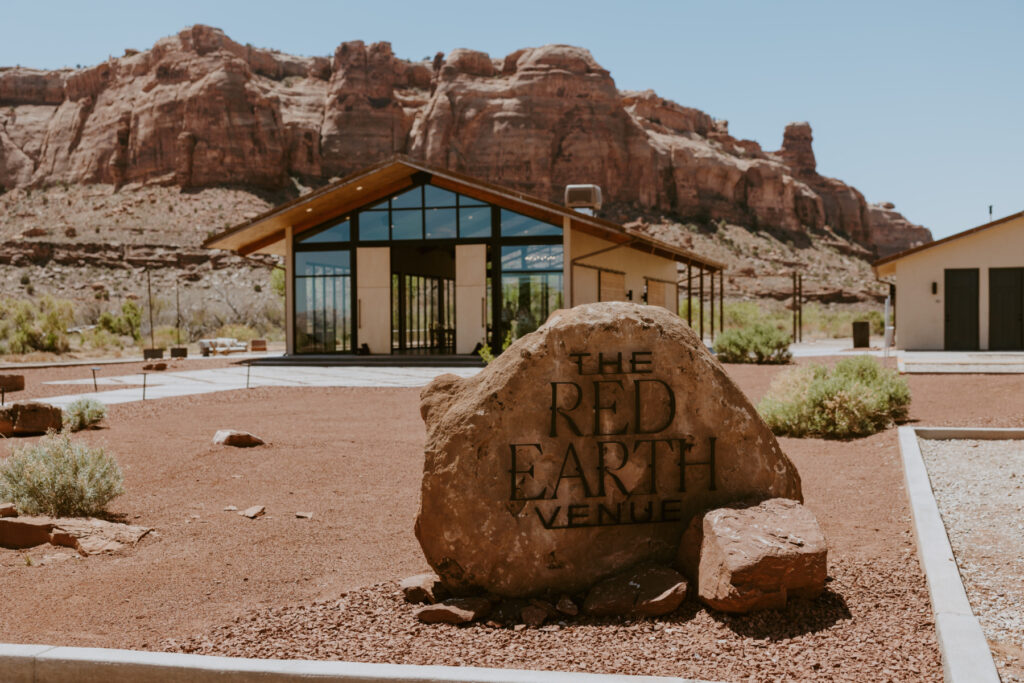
27 326
128 323
60 477
84 413
856 398
758 343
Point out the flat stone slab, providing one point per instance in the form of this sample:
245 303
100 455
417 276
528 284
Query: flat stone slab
23 418
11 383
88 536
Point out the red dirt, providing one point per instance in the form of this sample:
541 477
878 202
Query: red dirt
353 457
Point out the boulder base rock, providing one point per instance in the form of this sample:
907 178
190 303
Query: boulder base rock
29 417
756 557
232 437
454 611
585 449
8 510
423 588
647 591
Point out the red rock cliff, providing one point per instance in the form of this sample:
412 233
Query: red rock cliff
200 110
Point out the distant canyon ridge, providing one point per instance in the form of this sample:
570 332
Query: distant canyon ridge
199 110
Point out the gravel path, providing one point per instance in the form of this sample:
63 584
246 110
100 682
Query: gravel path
979 487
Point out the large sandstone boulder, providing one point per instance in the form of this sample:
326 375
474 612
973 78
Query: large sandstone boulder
749 558
585 449
28 417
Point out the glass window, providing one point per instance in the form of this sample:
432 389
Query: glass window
336 262
435 196
373 225
527 299
518 225
407 224
470 201
339 232
379 206
410 199
532 257
441 224
475 221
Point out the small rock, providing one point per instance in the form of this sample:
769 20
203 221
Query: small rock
8 510
253 512
232 437
519 627
755 557
533 616
423 588
304 515
231 508
648 590
454 611
567 606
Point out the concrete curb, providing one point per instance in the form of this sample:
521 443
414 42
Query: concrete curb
46 664
966 657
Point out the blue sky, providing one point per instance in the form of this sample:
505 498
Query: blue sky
918 103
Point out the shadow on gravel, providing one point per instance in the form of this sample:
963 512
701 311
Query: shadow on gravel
800 617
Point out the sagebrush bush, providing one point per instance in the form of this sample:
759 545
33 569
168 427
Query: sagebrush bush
60 477
856 398
758 343
27 326
84 413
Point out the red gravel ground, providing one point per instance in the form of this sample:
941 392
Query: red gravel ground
214 582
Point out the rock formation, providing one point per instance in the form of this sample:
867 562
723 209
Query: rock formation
200 110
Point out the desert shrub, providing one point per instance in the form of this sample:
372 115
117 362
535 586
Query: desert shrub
101 339
84 413
60 477
758 343
856 398
127 323
41 325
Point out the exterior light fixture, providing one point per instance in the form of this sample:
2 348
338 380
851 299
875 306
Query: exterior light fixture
935 288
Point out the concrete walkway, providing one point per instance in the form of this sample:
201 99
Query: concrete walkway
191 382
967 362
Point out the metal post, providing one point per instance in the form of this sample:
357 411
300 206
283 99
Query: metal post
177 311
721 301
800 301
144 386
712 307
149 290
248 369
794 307
95 387
702 303
689 294
3 396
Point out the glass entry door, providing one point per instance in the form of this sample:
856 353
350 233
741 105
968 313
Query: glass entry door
422 314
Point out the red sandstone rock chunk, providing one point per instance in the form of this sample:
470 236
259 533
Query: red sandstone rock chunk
11 383
29 417
24 532
533 616
232 437
8 510
750 558
423 588
567 606
648 591
455 611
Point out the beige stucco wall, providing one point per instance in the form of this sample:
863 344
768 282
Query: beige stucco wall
635 264
920 315
373 290
470 296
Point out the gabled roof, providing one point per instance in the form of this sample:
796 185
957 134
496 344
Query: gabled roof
944 240
265 233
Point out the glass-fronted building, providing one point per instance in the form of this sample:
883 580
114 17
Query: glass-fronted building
406 259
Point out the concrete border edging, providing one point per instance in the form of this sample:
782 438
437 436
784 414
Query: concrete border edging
48 664
966 656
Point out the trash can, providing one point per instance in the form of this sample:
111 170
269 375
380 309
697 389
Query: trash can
861 334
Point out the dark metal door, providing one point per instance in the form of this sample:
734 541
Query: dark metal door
961 309
1006 309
